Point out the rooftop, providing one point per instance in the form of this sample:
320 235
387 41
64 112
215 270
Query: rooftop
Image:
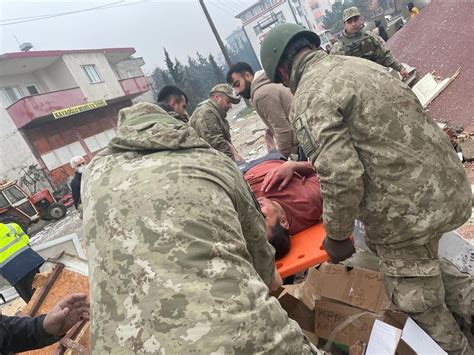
438 40
24 62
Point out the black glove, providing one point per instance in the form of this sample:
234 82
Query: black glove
338 250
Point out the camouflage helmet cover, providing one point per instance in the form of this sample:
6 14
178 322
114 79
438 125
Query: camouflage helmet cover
227 90
275 44
350 12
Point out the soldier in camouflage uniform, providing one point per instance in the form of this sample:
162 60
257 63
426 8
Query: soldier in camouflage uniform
381 160
357 42
174 101
209 119
179 262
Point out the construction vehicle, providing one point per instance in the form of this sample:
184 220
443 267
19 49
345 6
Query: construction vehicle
17 206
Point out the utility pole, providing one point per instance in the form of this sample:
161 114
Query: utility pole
214 30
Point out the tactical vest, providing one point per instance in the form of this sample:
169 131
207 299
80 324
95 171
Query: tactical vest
364 47
13 241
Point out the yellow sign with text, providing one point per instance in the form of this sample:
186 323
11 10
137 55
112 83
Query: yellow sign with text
78 109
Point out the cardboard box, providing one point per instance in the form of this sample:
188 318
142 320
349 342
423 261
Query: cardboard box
342 323
345 303
357 287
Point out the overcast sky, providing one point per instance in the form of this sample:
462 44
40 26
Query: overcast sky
146 25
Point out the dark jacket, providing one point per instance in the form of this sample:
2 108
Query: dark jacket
382 32
21 265
76 189
19 334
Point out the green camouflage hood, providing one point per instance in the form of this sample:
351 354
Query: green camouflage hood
146 126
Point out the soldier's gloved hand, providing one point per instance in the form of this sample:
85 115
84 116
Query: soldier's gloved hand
338 250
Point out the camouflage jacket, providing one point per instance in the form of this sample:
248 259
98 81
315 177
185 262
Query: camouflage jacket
379 156
178 258
367 45
211 124
170 112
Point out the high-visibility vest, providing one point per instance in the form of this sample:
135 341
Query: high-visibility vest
13 241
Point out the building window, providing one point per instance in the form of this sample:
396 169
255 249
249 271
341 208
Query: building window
280 17
92 73
257 30
246 15
12 94
314 6
13 195
32 89
130 74
99 141
299 11
3 201
256 10
62 155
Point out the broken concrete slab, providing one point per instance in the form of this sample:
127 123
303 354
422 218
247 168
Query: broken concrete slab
428 88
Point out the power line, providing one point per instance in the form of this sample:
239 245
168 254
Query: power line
58 13
102 7
230 6
215 4
240 8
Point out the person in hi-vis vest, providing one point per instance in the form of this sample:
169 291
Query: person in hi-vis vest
18 262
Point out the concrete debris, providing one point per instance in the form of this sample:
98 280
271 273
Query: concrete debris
260 129
252 140
428 88
44 231
13 307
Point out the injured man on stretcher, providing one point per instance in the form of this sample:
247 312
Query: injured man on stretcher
289 195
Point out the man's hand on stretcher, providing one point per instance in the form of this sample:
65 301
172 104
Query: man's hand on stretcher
284 173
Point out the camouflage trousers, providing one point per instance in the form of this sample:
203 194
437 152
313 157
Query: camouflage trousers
430 290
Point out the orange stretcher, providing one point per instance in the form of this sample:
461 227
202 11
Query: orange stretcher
306 251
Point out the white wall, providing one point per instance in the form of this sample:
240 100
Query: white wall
21 81
133 65
52 78
57 76
14 152
109 88
249 28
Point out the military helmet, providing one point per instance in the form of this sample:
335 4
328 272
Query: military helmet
275 43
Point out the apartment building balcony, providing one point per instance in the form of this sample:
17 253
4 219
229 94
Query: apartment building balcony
136 85
30 108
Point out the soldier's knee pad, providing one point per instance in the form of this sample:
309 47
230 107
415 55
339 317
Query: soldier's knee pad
415 294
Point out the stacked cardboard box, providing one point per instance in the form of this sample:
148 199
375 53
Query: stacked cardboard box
342 304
